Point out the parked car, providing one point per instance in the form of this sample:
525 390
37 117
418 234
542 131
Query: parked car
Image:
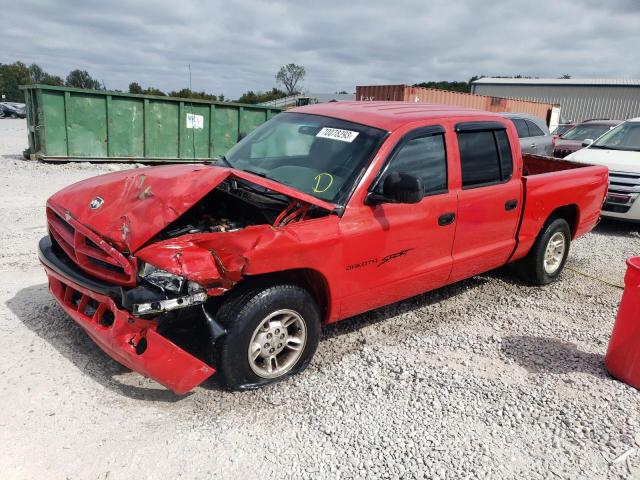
534 135
585 132
321 213
619 151
10 110
561 129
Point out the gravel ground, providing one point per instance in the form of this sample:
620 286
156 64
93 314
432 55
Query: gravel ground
487 378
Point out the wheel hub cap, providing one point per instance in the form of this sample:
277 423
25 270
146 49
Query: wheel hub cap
277 343
554 253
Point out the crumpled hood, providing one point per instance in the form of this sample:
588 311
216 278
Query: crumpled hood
137 204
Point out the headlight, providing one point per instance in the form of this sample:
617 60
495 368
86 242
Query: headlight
162 279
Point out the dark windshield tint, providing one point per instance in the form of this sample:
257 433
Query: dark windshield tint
624 137
321 156
582 132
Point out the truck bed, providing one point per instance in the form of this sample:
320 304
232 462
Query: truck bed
550 184
539 164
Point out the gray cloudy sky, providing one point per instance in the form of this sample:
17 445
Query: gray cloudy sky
234 46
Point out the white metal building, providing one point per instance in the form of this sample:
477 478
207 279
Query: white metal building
579 99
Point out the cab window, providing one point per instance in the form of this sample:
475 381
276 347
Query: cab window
485 154
423 156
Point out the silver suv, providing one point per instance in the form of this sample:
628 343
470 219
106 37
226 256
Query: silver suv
534 135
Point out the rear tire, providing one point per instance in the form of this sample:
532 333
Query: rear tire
272 333
547 257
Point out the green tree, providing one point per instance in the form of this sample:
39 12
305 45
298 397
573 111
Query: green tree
12 75
154 91
81 79
290 76
134 87
455 86
55 80
260 97
188 93
36 73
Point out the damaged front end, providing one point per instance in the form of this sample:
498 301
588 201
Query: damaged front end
144 271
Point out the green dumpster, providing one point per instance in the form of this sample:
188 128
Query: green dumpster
67 124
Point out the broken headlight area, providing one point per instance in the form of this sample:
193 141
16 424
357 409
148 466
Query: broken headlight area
165 281
161 291
163 306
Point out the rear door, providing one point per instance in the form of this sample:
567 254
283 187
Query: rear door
489 201
542 141
526 143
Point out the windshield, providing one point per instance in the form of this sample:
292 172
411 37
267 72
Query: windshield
560 129
624 137
582 132
318 155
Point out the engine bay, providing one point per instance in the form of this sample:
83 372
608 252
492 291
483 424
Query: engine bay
232 206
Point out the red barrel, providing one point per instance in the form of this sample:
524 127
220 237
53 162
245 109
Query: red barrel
623 356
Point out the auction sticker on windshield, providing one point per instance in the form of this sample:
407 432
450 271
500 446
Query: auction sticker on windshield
337 134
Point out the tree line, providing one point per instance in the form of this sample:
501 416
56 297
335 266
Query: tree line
12 75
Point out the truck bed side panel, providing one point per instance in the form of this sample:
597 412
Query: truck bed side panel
584 188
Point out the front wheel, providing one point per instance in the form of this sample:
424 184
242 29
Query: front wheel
547 257
272 332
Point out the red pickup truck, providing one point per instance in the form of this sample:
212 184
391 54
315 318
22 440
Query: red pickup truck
321 213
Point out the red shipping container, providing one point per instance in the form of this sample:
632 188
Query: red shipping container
623 356
405 93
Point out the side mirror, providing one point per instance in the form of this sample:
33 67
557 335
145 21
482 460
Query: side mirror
587 141
398 188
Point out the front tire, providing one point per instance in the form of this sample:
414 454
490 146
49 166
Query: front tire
547 257
272 332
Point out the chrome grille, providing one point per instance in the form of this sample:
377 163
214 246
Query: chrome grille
624 189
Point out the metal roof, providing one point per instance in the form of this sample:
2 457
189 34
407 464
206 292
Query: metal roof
618 82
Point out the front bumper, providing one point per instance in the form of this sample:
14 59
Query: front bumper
131 341
622 208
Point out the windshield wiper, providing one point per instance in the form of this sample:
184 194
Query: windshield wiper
263 175
609 147
224 160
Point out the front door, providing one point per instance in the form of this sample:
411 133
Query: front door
392 250
489 202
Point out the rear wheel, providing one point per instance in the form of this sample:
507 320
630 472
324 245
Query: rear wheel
547 257
272 332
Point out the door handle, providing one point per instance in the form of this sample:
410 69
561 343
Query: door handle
446 219
533 145
510 204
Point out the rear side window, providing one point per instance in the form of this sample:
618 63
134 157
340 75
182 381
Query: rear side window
485 157
504 149
426 158
521 127
534 130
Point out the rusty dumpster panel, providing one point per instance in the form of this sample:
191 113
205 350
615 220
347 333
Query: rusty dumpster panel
405 93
